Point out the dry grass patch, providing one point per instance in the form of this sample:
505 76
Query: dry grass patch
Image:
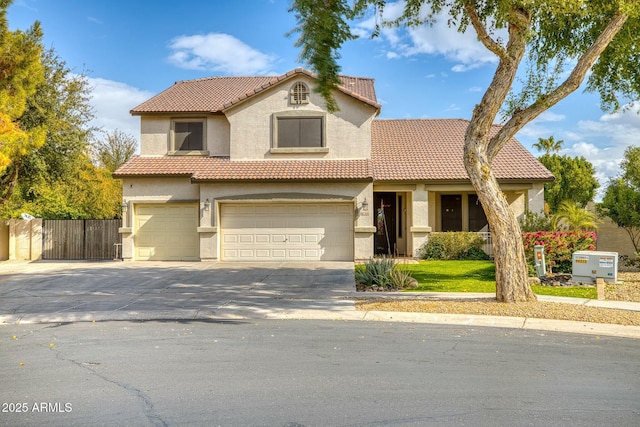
538 310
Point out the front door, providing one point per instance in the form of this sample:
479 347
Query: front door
384 208
477 217
451 212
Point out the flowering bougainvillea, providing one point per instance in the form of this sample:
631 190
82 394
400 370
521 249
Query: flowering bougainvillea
559 246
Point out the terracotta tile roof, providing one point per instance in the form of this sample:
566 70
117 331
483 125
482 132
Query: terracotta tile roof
402 150
432 149
215 94
223 169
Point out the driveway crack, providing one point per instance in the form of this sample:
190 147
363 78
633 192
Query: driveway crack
147 404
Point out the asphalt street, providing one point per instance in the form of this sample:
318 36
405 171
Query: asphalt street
312 373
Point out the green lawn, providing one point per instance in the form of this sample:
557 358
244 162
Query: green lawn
474 276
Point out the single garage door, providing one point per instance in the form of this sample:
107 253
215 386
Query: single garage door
287 232
166 232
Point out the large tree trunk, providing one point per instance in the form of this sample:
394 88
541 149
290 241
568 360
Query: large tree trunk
512 283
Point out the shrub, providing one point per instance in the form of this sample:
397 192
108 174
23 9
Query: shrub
535 221
383 272
453 245
559 247
474 254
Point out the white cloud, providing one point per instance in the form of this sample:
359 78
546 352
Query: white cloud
112 102
550 116
218 52
475 89
602 142
539 129
438 39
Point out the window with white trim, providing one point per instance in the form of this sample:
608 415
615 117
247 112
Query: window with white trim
299 94
188 135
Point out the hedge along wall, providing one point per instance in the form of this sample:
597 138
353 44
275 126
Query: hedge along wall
559 246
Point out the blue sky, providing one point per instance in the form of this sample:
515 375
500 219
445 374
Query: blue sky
134 49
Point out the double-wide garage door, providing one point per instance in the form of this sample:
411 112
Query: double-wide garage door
287 232
166 232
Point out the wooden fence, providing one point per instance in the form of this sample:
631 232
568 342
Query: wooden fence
81 239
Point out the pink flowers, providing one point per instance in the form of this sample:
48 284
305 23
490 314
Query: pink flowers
559 246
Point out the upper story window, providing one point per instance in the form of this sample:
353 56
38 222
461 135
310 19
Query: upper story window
299 131
299 94
188 135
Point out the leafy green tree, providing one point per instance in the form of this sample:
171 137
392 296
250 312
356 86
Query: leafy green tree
20 74
548 145
631 166
58 179
115 149
575 180
621 201
564 40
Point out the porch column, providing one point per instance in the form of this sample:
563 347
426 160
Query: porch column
420 228
208 230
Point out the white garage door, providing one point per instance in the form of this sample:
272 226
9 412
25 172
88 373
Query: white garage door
166 232
287 232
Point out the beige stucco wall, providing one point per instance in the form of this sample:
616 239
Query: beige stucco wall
159 189
536 197
155 135
348 132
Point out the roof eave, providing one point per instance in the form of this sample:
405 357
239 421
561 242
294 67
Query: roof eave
277 180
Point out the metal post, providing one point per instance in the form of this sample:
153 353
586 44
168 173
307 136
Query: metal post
541 268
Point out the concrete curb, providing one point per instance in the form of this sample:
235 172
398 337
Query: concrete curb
338 315
468 320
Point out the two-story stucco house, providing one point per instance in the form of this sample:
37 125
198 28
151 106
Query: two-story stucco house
256 169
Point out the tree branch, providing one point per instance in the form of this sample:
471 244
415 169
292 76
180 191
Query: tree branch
519 119
483 35
486 111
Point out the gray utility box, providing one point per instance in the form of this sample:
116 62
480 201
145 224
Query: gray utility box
591 265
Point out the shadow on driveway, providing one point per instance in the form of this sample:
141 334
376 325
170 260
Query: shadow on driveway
95 291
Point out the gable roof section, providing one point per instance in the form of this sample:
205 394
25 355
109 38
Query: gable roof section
432 150
211 169
216 94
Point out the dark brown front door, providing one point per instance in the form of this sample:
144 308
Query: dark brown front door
451 212
477 217
384 209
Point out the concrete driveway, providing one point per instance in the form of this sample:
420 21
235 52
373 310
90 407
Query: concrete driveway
94 291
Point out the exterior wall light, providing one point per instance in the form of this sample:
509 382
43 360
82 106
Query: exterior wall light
125 209
365 205
207 205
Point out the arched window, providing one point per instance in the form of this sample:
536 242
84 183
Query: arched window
299 94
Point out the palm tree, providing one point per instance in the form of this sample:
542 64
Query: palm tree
548 145
574 217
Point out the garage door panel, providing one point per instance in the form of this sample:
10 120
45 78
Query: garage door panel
305 231
278 238
166 232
